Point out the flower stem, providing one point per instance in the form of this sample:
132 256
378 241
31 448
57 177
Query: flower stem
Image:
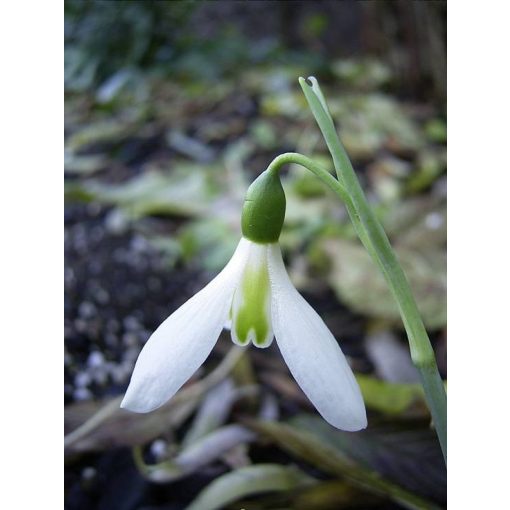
376 242
330 181
321 173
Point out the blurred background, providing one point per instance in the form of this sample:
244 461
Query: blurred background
171 110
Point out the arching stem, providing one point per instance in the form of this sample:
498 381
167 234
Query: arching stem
376 242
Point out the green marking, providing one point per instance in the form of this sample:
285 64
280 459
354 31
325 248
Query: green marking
251 315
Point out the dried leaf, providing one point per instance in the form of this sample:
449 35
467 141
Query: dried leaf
248 481
308 446
359 283
116 427
213 411
418 223
86 164
105 131
391 358
190 147
408 454
204 451
392 398
183 192
332 495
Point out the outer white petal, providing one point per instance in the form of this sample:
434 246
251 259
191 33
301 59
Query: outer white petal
312 353
183 341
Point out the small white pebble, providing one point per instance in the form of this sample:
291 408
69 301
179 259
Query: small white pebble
131 323
139 244
116 221
86 310
95 359
82 394
82 379
159 449
100 375
88 473
102 296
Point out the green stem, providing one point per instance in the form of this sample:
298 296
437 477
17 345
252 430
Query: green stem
327 179
376 242
321 173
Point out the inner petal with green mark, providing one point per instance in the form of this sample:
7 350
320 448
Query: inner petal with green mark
251 306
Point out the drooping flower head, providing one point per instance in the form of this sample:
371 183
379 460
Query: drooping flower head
255 292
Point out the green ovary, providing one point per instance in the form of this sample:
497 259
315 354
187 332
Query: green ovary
251 316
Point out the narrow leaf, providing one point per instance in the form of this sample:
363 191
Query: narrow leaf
311 448
248 481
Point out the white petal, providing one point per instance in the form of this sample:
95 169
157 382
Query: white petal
183 341
312 353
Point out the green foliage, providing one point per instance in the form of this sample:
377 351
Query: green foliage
208 242
390 398
364 74
180 193
309 443
107 39
386 449
248 481
104 37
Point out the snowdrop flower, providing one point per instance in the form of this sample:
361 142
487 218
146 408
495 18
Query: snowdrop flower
256 294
